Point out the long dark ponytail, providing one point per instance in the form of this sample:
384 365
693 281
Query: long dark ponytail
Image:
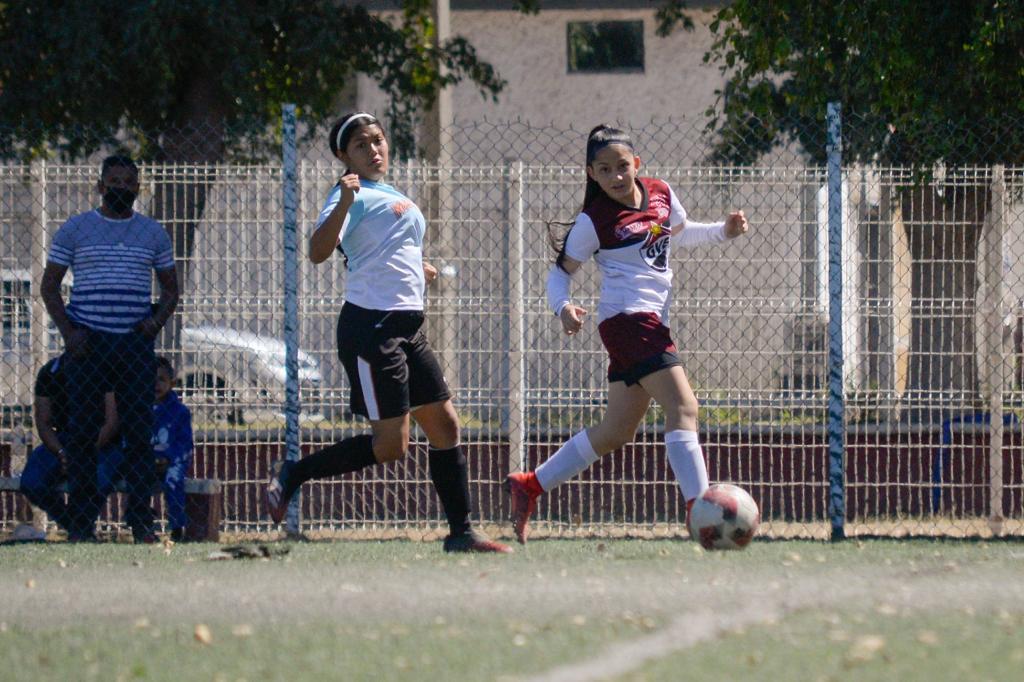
600 137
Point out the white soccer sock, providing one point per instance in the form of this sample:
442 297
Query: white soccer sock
687 460
573 457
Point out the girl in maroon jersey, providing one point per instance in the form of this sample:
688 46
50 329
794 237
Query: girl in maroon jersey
629 225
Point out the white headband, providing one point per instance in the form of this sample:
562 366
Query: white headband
346 124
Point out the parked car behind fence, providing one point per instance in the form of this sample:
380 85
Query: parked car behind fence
224 374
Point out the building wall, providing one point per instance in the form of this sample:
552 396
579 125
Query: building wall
530 53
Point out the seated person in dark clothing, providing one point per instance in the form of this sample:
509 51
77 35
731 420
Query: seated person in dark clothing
47 465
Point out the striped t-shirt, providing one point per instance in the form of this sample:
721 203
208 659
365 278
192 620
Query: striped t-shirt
112 262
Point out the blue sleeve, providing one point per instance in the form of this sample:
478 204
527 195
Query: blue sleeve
163 252
180 445
332 200
355 212
62 248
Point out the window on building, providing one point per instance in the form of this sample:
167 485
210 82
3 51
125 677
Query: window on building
605 46
14 310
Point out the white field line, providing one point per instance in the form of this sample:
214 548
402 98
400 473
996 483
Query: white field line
699 626
930 589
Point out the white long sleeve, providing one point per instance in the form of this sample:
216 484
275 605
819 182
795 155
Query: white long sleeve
693 233
558 289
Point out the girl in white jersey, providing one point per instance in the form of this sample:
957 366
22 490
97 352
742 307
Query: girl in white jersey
629 225
391 368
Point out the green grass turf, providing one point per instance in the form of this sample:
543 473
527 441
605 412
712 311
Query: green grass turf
629 609
883 645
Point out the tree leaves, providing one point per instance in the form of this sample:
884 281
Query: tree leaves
670 16
201 77
918 82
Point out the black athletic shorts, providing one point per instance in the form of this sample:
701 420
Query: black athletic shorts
388 360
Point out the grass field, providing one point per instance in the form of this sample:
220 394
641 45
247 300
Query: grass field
555 610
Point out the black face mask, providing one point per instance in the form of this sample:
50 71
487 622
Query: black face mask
119 199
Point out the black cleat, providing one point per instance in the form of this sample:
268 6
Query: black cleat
277 505
474 541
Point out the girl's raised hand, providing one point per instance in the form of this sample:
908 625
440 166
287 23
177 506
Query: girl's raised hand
736 224
349 186
572 318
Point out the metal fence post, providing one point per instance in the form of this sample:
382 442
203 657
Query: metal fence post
291 302
40 318
516 421
992 364
836 407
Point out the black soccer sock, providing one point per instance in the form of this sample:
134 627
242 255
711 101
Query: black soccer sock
450 474
351 454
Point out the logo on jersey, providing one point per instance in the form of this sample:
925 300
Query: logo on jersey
400 207
655 248
623 232
659 205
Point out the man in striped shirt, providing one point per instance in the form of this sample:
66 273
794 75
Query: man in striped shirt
108 328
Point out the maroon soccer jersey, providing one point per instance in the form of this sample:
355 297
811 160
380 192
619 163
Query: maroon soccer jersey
618 225
632 248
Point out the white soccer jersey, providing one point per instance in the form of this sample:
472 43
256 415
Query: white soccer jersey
382 237
632 247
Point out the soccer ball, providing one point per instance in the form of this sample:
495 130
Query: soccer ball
724 517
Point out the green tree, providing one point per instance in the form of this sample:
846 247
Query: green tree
201 81
192 80
920 84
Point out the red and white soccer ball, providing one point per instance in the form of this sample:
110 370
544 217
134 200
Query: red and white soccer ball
725 516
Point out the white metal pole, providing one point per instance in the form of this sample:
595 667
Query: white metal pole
436 143
39 320
516 313
992 241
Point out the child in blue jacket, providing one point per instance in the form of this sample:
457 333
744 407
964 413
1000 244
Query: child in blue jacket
172 446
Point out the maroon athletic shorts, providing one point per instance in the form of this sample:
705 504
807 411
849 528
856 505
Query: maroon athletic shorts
638 344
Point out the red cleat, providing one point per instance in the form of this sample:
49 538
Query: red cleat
524 490
474 541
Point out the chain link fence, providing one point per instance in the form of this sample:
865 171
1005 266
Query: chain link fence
926 307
